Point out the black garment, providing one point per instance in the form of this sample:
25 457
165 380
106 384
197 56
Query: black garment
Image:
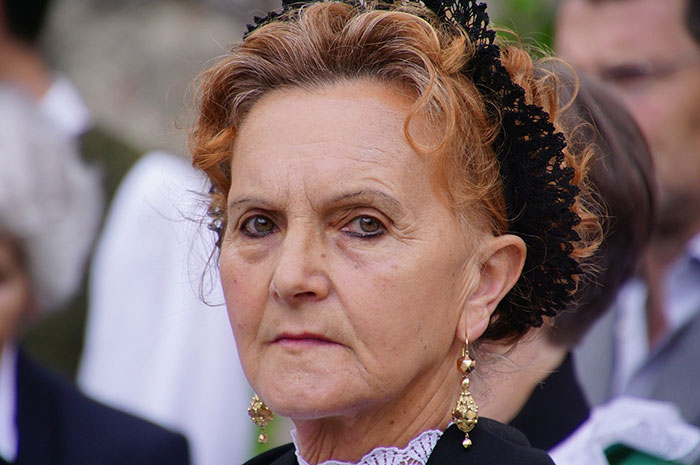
492 443
555 409
58 425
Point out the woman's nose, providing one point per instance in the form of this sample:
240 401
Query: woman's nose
300 274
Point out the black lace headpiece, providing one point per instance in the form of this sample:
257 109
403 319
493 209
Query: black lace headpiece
538 189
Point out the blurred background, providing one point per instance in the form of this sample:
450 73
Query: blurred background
133 61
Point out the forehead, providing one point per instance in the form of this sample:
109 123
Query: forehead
321 130
594 33
329 104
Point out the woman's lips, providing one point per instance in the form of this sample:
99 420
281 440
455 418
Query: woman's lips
302 340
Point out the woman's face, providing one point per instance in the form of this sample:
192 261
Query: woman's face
341 267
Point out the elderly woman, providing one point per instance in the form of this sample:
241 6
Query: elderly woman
381 175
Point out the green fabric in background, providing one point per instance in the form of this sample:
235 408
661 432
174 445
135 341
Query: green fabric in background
619 454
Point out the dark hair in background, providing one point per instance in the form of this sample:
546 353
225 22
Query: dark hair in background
692 19
622 172
25 18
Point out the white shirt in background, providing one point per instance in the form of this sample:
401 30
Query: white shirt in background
65 108
152 347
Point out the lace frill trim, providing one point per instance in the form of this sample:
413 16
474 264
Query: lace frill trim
416 452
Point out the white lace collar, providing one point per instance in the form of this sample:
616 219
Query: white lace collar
416 452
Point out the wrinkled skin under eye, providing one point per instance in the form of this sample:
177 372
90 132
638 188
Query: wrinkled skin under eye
365 226
258 226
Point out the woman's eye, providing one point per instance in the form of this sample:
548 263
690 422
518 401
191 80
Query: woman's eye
365 226
258 226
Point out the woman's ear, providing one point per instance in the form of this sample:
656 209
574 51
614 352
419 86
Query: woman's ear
502 262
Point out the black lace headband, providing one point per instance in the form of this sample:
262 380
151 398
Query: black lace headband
538 190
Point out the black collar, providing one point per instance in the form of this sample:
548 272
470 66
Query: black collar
493 442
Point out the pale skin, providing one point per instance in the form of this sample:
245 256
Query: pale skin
645 51
349 283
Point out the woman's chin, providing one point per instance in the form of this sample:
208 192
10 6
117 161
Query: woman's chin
312 400
307 384
303 404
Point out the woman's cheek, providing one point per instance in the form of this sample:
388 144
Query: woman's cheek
239 293
245 303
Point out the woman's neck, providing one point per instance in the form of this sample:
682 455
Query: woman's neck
424 406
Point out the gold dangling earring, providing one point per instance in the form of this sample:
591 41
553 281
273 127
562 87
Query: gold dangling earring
261 415
465 414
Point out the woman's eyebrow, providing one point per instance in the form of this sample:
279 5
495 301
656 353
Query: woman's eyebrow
259 202
364 196
369 196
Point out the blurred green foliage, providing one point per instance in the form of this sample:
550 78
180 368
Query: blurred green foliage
531 20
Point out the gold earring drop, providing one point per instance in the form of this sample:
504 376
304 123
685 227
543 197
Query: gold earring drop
261 415
465 414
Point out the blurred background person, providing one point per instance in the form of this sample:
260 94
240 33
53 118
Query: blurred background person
23 64
553 411
156 371
57 339
49 213
649 51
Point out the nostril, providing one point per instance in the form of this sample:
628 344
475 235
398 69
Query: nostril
305 295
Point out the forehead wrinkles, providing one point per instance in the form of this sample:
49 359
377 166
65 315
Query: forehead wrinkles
299 183
297 160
